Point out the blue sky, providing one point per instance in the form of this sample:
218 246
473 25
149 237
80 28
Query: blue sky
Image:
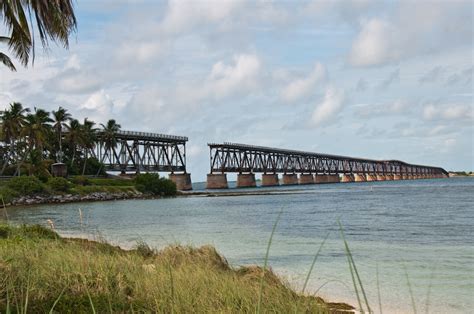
375 79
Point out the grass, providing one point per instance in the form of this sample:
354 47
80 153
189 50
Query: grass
41 272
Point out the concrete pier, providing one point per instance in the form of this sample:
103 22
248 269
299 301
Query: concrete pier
381 177
290 179
217 181
306 179
182 181
371 177
347 178
333 178
321 178
389 177
404 177
359 177
246 180
270 180
397 177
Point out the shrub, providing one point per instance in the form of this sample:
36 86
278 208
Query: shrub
93 166
81 180
7 194
26 185
58 184
152 183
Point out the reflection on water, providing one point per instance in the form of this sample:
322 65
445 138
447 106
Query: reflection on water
425 225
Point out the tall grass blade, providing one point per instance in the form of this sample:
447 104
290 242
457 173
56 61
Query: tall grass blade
57 300
378 287
5 209
8 311
350 268
313 263
172 287
410 289
311 269
259 304
27 293
89 296
428 293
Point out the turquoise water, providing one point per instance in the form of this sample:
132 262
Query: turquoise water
425 226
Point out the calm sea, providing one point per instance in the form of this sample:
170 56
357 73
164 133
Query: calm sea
423 226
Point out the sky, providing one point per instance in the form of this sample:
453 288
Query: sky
373 79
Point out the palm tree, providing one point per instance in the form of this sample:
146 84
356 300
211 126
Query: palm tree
35 132
60 117
55 20
88 139
73 136
108 133
13 121
37 129
108 137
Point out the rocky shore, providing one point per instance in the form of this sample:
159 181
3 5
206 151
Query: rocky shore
73 198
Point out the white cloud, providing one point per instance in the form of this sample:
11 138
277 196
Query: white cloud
328 109
226 79
99 105
304 86
412 29
448 112
183 15
372 46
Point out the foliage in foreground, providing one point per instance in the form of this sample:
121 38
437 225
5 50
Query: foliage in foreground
39 271
154 184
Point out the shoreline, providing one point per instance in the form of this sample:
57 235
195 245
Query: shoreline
148 268
123 196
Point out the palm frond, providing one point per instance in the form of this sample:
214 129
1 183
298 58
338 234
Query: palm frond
7 61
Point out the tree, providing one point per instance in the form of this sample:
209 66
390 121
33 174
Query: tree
60 117
109 133
108 137
88 139
37 128
13 121
55 21
74 136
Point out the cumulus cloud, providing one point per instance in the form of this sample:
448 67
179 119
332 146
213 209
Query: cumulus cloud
362 85
304 86
372 45
225 79
454 112
414 28
183 15
98 106
329 108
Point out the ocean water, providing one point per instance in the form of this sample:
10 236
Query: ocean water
423 228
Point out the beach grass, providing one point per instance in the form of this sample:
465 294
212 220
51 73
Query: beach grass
42 272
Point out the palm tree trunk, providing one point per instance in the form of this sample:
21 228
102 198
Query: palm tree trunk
85 162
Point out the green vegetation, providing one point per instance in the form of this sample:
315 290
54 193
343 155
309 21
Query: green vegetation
26 185
152 183
59 184
461 173
42 272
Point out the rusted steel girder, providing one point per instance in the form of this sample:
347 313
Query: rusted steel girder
232 157
141 151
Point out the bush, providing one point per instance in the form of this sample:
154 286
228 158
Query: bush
153 184
26 185
93 166
7 194
58 184
81 180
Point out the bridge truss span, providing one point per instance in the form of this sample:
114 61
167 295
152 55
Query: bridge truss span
142 152
241 158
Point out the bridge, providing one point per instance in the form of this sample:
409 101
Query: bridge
246 160
145 152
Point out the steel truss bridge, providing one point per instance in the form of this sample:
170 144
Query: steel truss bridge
241 158
142 151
